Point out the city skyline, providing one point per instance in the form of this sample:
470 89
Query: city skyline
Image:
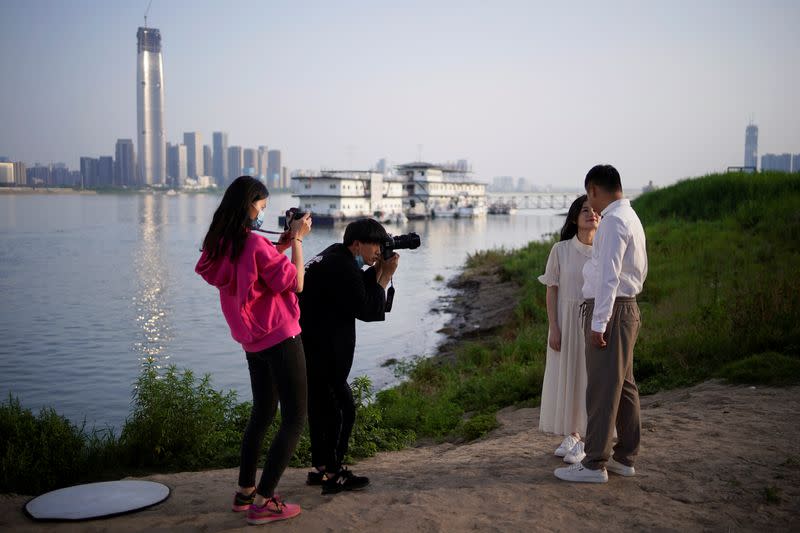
518 89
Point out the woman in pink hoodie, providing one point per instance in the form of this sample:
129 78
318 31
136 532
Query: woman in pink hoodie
257 290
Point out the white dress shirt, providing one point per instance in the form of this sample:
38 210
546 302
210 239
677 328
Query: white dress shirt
619 261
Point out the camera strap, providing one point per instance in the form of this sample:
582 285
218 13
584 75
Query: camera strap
271 232
389 296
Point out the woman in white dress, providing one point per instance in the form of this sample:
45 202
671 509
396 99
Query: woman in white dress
563 408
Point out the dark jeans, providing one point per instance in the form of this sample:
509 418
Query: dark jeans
276 374
331 415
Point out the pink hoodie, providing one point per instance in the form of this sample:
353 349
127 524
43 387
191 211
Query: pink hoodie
256 293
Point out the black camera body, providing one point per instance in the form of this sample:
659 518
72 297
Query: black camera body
409 241
291 214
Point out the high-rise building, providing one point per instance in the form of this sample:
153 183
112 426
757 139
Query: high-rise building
177 167
208 161
124 164
262 162
284 178
235 161
503 183
250 161
751 146
88 172
150 107
796 163
39 175
105 171
20 173
273 169
6 173
220 140
776 162
60 175
194 153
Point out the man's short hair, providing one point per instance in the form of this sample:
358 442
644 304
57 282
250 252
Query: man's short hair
604 176
366 230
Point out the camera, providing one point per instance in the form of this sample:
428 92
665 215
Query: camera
409 241
291 214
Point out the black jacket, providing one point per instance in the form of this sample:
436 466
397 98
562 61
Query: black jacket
336 293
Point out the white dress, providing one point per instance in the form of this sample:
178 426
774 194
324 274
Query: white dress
563 409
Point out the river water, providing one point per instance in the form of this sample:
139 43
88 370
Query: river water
92 285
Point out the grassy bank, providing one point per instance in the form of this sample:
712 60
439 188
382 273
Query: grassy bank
721 300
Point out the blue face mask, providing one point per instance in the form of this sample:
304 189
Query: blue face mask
256 224
360 262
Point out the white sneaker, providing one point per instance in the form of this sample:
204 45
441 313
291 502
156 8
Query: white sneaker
576 454
566 445
579 474
619 468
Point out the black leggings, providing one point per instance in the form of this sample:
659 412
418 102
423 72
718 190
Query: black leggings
331 416
276 374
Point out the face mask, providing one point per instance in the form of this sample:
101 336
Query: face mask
360 262
256 224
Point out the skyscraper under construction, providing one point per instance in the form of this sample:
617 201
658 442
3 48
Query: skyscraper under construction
150 107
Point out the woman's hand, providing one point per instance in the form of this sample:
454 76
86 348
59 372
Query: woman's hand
284 241
555 337
300 227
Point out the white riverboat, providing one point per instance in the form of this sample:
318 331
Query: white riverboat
341 195
440 191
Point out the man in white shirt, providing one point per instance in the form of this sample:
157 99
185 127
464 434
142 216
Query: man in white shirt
611 281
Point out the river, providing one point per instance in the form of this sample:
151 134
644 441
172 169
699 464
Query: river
93 284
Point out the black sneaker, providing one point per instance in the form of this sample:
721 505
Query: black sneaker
344 480
315 477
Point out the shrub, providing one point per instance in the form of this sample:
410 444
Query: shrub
178 422
478 426
44 452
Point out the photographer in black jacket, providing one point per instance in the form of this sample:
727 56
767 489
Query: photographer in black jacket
336 293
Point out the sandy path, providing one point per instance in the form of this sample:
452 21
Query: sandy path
708 454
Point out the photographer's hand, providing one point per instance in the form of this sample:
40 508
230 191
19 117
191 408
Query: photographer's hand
385 269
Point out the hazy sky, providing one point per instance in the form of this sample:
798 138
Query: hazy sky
662 90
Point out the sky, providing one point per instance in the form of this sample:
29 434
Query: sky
542 90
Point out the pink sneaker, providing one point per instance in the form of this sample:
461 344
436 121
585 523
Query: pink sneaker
272 511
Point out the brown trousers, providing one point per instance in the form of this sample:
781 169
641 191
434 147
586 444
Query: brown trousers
612 398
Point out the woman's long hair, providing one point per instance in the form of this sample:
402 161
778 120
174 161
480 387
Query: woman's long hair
228 229
570 227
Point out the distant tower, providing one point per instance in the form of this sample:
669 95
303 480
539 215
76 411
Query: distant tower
124 163
274 168
220 169
751 146
150 107
194 153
